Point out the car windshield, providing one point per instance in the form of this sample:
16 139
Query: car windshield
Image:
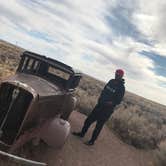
57 72
47 71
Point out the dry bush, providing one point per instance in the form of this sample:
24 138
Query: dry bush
84 104
160 155
6 70
9 51
9 58
139 127
87 94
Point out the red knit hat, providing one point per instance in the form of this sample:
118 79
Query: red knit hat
120 72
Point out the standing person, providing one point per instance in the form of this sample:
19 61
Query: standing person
111 96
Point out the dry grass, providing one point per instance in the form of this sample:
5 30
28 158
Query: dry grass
9 58
139 127
160 155
136 120
87 94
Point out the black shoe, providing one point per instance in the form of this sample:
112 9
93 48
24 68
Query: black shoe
89 143
78 134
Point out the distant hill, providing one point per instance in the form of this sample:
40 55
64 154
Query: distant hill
9 58
9 51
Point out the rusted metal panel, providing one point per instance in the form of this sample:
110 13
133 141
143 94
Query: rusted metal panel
39 85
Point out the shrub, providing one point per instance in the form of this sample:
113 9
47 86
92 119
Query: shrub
138 128
160 155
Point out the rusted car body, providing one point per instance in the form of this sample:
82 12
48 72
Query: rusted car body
37 101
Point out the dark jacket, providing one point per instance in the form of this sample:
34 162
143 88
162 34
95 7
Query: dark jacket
113 91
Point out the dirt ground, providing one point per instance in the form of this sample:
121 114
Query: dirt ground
107 151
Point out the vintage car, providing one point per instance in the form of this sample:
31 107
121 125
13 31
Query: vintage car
37 101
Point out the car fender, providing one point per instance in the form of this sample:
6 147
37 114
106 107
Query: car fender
53 132
68 107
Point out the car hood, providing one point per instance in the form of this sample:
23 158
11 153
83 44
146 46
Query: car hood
41 86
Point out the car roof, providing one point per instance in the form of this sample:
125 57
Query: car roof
52 62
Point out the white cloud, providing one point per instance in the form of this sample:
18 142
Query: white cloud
79 28
150 21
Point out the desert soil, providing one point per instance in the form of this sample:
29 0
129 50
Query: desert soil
107 151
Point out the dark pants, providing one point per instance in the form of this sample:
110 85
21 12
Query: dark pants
100 114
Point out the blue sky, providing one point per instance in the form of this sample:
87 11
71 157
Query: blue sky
96 37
